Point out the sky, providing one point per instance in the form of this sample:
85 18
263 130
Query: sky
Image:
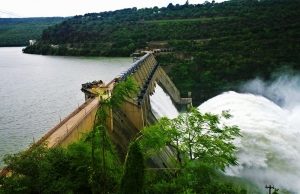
48 8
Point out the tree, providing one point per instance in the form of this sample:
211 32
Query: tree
203 146
195 136
170 6
54 170
122 90
133 177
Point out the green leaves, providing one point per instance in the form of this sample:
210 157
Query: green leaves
59 170
133 178
196 136
123 90
155 137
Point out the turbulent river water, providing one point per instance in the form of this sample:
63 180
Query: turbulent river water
269 119
35 91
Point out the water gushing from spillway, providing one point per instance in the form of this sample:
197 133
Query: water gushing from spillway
269 150
162 105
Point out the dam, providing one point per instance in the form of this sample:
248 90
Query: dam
125 122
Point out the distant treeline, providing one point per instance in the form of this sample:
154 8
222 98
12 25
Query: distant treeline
17 31
216 45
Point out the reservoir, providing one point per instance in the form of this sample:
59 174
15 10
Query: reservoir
37 91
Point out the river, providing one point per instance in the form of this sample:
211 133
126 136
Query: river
37 91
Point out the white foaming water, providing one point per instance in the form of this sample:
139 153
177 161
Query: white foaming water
269 151
162 105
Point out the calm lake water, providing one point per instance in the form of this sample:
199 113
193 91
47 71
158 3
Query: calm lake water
35 91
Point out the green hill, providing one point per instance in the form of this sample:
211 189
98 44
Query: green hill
17 31
216 45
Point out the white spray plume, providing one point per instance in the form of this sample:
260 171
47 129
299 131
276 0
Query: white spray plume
269 151
284 91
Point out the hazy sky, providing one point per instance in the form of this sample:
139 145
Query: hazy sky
36 8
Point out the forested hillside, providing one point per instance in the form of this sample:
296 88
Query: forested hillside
17 31
216 45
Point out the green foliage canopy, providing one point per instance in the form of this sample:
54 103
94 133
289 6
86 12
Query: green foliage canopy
195 136
58 170
18 31
203 146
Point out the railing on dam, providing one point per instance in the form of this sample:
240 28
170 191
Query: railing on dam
135 66
145 87
72 123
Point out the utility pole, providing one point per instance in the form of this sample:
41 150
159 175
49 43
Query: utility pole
270 188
